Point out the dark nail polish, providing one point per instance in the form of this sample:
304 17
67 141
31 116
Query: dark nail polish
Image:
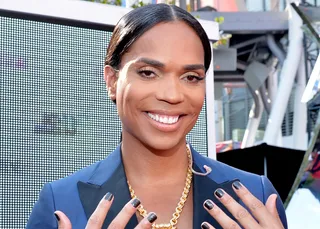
208 204
135 203
152 217
237 185
57 217
205 226
108 196
219 192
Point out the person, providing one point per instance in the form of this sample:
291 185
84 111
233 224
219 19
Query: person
155 71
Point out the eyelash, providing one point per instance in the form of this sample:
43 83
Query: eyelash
198 78
143 74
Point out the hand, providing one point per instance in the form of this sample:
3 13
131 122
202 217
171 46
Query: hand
266 215
98 216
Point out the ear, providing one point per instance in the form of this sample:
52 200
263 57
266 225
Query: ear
110 77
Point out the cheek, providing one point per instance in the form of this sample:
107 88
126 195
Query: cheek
129 95
124 89
197 98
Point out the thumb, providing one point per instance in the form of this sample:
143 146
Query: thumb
63 220
271 205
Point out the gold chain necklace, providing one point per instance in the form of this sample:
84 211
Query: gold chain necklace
183 199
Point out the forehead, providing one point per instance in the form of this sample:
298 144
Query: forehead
170 42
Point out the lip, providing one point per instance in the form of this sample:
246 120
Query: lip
164 112
162 126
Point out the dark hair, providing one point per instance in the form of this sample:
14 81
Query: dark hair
132 25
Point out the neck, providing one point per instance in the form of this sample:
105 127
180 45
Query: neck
144 165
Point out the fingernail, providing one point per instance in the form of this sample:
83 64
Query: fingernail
208 204
135 202
57 217
205 226
219 192
108 196
237 185
152 217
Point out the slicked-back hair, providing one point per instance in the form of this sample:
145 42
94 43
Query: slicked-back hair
135 23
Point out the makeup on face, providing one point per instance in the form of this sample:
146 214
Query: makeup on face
161 86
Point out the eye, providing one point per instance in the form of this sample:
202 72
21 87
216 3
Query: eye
193 78
147 73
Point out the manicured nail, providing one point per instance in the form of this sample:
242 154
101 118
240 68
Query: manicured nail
219 192
208 204
57 217
237 185
135 202
108 196
205 226
152 217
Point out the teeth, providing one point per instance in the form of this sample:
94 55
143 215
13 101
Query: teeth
164 119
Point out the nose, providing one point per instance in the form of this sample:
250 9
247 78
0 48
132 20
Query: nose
170 90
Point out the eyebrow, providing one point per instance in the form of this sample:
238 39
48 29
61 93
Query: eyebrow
191 67
158 64
151 62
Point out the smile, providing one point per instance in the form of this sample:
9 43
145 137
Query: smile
165 119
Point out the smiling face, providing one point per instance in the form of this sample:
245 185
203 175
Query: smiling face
160 86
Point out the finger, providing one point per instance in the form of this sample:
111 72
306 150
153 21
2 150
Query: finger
122 219
240 213
221 217
256 207
147 222
63 220
271 206
206 225
98 216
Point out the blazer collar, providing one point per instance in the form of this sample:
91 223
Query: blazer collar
109 176
204 187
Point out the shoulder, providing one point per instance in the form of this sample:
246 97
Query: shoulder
259 186
96 173
63 195
83 175
222 172
60 195
231 173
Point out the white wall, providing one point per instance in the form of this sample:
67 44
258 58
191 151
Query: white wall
288 142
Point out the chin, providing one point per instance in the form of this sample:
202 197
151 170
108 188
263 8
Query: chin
163 143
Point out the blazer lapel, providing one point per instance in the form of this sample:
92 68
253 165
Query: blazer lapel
203 189
110 177
92 192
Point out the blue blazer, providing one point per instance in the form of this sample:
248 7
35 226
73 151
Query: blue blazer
79 194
